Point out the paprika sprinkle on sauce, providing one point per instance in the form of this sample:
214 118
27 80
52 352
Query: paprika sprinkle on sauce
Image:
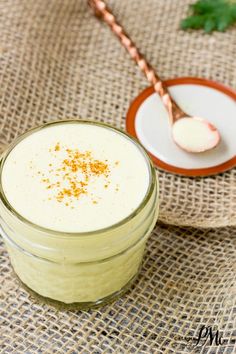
71 179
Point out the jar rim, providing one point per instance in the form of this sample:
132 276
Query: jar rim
14 212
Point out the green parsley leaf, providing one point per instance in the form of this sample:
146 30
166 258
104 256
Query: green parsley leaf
211 15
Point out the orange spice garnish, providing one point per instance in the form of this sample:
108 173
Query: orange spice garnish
72 178
45 180
57 147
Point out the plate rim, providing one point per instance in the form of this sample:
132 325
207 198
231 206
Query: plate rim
194 172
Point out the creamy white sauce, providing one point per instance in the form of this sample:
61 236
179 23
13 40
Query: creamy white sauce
34 164
195 134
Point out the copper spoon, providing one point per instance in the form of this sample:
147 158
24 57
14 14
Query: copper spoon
192 134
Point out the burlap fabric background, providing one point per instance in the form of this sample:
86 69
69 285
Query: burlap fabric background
58 61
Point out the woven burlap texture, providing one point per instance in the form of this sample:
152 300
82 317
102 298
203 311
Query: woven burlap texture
58 61
187 280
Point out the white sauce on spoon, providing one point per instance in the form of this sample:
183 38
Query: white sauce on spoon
195 134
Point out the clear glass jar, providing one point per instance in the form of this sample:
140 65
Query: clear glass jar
79 269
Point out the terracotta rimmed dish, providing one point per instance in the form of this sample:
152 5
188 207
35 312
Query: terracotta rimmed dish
201 97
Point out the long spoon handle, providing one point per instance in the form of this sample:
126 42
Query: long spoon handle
101 10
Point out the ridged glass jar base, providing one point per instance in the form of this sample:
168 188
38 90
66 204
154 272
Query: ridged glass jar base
79 305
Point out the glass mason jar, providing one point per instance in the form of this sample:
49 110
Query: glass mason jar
79 269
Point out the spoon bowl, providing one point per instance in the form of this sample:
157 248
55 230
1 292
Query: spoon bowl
195 134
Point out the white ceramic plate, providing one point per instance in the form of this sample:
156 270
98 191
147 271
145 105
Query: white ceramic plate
147 119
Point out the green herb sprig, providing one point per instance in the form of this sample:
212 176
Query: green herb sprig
211 15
